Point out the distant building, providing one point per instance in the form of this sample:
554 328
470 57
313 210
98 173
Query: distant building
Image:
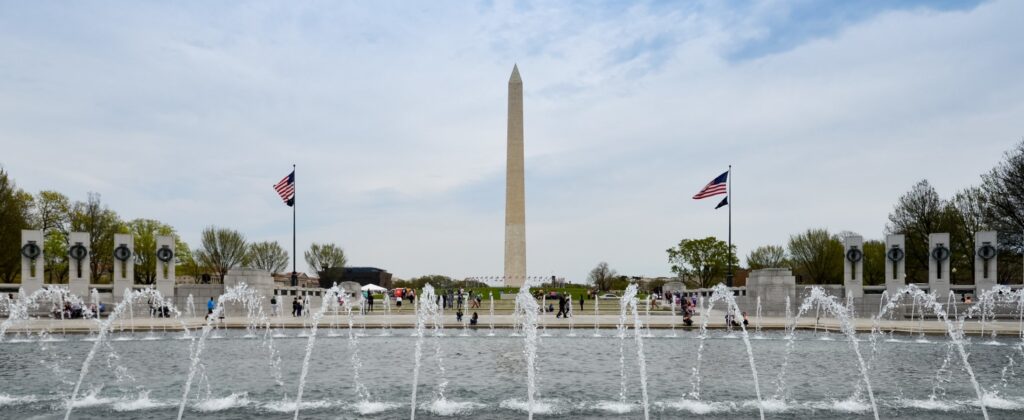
305 280
363 276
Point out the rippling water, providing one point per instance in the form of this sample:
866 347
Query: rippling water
141 376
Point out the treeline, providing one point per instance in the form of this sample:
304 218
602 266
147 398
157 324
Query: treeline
996 204
220 249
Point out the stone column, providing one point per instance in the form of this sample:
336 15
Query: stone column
895 264
79 258
986 250
124 264
31 261
853 267
939 253
165 261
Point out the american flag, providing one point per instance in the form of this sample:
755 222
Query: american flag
286 189
717 186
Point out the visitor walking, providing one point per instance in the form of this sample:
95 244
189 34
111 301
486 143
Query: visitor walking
561 307
210 305
398 302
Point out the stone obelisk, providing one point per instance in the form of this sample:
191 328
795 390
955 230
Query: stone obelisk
515 191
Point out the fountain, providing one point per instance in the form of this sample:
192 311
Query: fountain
994 385
528 306
490 296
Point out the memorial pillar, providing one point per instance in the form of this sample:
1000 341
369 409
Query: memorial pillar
79 258
985 253
165 266
853 269
938 264
124 264
895 264
31 261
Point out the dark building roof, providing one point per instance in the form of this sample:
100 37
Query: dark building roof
364 270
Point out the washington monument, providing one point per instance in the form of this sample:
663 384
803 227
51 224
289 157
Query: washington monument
515 192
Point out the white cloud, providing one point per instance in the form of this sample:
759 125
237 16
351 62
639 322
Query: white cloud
396 118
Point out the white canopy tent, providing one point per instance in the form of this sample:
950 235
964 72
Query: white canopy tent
374 288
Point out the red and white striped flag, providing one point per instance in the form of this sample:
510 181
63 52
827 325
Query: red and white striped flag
717 186
286 189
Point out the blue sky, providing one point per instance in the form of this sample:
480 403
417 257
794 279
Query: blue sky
395 116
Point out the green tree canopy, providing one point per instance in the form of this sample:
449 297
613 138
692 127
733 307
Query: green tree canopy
322 257
15 214
700 262
817 256
874 262
221 250
144 233
101 223
268 255
52 215
767 256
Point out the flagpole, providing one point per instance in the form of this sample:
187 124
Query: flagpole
728 277
295 275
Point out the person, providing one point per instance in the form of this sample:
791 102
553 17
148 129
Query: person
412 296
561 307
295 306
398 302
369 300
273 305
209 307
444 300
458 315
687 320
746 319
473 320
581 301
730 320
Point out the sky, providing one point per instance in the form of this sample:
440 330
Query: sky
394 113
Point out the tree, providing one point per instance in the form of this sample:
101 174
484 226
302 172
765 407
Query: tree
323 257
268 256
767 256
699 262
144 233
874 262
55 256
220 250
1003 189
817 255
921 212
101 223
15 212
438 281
52 211
52 215
602 276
